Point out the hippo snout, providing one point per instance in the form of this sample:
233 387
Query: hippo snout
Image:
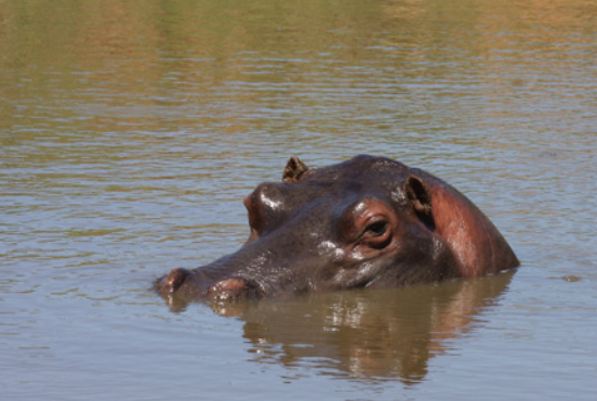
180 281
234 288
168 284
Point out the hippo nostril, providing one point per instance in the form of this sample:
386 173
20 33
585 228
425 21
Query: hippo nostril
233 289
174 280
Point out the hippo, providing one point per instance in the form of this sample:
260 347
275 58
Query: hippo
368 222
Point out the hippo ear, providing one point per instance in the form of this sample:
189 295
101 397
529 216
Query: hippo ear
420 200
474 240
294 169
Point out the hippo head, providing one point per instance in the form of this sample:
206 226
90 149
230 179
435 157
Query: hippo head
366 222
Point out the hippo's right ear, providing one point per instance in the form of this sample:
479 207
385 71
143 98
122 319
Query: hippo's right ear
294 169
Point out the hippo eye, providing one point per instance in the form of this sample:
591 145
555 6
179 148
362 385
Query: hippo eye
377 234
377 228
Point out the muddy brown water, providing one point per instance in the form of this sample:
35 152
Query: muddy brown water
131 131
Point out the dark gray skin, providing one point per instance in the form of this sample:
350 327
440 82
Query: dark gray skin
367 222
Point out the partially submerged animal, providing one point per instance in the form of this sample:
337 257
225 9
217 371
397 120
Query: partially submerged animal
366 222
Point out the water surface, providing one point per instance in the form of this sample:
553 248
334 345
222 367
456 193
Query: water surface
131 131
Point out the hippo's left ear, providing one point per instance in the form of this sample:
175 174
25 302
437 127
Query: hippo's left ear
475 241
294 169
420 200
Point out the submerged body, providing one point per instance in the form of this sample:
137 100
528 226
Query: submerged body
366 222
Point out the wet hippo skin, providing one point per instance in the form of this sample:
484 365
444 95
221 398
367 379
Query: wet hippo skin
367 222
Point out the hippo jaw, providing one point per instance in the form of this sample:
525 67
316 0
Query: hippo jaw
367 222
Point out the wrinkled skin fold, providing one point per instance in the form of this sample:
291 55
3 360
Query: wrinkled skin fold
366 222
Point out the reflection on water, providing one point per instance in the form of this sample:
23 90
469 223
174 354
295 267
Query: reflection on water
370 335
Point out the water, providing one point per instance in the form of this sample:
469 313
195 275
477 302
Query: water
131 131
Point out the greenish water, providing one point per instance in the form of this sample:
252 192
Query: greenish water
131 131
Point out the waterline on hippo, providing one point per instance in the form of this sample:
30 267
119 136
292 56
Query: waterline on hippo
369 222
